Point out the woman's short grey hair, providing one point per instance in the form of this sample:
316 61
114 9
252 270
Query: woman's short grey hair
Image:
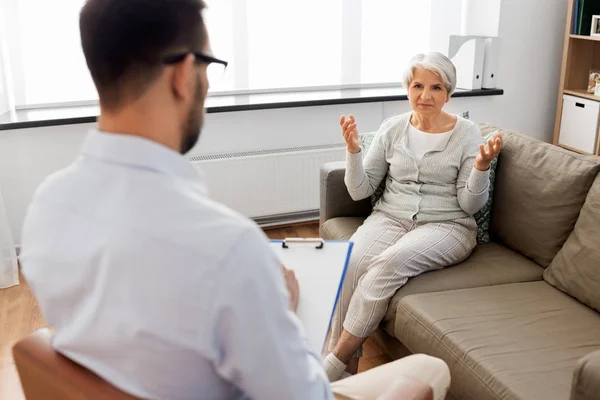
437 63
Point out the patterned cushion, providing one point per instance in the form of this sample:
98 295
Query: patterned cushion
483 217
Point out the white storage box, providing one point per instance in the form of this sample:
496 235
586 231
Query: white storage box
579 124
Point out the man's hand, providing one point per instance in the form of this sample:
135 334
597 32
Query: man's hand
292 285
488 152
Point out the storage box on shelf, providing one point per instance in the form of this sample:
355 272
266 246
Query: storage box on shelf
579 124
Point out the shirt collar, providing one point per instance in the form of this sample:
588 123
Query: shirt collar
138 152
440 146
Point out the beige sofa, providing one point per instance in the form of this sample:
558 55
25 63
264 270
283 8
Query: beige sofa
518 319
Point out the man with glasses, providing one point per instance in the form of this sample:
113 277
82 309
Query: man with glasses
146 281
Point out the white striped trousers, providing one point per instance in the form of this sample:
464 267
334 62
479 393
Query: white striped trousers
386 254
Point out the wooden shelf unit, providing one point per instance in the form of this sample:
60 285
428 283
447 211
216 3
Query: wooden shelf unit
582 93
582 37
580 55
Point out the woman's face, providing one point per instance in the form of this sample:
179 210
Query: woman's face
427 93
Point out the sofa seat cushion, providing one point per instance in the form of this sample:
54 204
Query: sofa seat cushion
490 264
341 228
515 341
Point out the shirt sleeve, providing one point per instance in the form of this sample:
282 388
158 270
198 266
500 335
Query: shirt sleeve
261 345
472 184
363 177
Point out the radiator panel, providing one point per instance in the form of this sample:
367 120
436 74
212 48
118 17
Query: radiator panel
268 183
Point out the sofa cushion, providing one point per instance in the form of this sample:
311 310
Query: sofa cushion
515 341
539 192
489 264
576 268
341 228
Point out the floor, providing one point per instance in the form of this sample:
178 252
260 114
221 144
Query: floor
20 315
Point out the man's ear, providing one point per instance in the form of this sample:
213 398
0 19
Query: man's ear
182 80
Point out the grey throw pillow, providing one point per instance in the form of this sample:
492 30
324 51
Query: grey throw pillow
483 217
576 268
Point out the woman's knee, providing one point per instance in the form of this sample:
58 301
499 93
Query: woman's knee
357 266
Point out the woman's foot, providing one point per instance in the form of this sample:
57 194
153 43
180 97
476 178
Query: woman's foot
334 368
345 375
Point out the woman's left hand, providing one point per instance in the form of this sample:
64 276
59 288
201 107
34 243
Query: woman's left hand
488 152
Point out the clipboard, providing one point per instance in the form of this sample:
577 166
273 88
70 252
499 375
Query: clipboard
320 267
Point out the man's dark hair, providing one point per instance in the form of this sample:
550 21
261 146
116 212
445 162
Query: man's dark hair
124 42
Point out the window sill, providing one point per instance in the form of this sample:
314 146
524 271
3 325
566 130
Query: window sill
68 115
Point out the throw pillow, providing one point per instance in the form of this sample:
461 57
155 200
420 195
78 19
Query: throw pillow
576 268
484 216
540 190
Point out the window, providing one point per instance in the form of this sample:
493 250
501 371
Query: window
270 44
294 44
220 23
46 52
385 47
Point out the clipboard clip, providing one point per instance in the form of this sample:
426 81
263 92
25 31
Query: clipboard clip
318 241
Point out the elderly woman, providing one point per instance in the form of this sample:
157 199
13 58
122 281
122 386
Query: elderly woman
437 177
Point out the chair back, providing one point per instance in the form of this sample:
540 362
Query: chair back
47 375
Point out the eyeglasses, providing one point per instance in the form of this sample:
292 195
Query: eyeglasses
202 58
215 69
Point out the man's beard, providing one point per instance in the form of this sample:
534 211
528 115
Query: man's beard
193 123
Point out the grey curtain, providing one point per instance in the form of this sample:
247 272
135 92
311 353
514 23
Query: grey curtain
9 271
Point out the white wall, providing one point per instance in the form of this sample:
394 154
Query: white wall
531 34
529 74
480 17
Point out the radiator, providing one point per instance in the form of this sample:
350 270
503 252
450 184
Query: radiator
268 183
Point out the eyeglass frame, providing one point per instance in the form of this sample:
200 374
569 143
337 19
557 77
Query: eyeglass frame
200 57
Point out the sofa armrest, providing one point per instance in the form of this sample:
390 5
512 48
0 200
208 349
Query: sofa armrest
586 380
335 199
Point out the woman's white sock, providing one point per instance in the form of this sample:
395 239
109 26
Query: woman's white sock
345 375
333 367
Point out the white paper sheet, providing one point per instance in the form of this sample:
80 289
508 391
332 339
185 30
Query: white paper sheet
320 273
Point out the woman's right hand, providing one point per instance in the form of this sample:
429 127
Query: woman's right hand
350 133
